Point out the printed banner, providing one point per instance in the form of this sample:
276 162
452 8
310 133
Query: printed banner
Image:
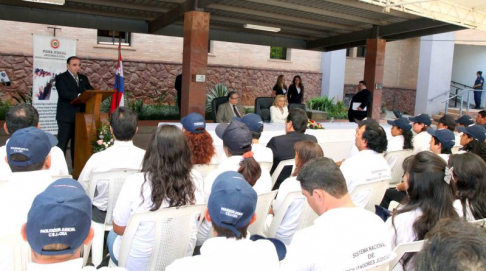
50 55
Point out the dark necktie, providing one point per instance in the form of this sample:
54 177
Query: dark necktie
76 78
236 111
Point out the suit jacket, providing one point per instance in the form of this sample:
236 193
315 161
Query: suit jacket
68 91
283 149
293 96
225 112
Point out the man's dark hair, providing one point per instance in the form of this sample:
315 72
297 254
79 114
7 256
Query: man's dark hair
482 113
480 72
124 123
71 58
231 93
18 157
21 116
363 83
453 244
223 232
257 135
323 173
443 149
375 137
298 117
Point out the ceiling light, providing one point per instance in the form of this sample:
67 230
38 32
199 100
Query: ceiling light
52 2
261 27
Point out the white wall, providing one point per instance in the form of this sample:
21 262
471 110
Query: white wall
333 66
468 59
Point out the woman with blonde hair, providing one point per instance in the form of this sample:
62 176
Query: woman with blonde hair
279 110
280 88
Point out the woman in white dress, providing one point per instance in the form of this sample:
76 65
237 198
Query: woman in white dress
279 110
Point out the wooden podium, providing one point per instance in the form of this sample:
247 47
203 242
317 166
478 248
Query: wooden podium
87 125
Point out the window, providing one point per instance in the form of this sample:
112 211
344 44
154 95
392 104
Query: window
361 52
114 37
278 53
348 52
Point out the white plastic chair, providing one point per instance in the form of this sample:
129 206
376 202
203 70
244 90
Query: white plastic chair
115 178
393 205
278 170
375 190
173 230
205 169
16 251
266 165
479 222
263 207
401 249
395 160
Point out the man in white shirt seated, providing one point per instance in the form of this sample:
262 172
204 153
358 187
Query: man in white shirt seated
231 210
368 165
122 155
441 142
28 155
23 116
58 225
344 236
255 123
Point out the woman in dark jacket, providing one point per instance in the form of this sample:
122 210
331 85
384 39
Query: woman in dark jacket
296 91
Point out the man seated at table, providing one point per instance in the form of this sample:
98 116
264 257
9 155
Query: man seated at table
255 123
283 146
230 109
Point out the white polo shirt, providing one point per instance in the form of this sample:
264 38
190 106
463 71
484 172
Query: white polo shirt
366 166
444 156
221 253
421 142
396 144
262 153
340 239
72 265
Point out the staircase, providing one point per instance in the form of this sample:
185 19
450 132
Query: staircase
454 112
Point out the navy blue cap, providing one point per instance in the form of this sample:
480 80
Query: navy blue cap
194 123
253 121
59 215
422 118
34 143
445 136
402 123
465 120
279 245
232 201
235 135
476 131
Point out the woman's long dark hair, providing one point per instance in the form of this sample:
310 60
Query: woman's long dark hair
306 150
407 139
249 167
475 146
301 85
428 191
470 183
167 168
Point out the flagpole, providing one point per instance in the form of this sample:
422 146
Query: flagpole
118 77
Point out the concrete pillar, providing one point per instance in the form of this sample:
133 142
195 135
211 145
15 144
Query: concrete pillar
434 72
194 62
373 74
333 67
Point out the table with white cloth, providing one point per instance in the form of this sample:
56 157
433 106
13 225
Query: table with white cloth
336 139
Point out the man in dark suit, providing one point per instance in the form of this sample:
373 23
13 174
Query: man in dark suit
69 85
359 105
283 146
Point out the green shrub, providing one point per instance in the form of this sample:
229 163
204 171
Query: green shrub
159 112
219 90
337 111
3 111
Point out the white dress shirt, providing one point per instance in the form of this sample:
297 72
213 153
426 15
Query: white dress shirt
421 142
123 154
277 116
72 265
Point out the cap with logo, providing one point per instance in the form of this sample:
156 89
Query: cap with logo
402 123
465 120
253 121
422 118
445 136
476 131
59 215
194 123
31 142
235 135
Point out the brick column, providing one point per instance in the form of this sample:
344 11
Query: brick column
373 75
194 61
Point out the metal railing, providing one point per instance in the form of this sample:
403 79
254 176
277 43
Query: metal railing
461 98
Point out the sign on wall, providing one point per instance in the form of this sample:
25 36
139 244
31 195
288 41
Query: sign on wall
50 55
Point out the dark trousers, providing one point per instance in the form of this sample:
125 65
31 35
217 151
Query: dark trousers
64 135
392 194
477 98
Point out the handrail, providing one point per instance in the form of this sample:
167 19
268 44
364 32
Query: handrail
457 83
431 99
456 95
468 90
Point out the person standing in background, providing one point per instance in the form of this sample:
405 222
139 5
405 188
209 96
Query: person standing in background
178 87
296 91
280 88
478 84
358 108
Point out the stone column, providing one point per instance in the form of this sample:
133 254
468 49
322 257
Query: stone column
434 72
333 68
194 62
373 74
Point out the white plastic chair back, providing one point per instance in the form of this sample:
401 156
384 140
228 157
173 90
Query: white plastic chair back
266 165
16 251
395 160
281 165
401 249
479 222
375 190
393 205
173 230
307 217
455 149
205 169
263 207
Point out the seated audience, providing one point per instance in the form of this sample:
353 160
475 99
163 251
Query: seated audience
464 121
420 125
23 116
122 155
472 140
441 142
231 210
200 141
167 180
453 245
305 151
230 109
28 155
399 192
58 225
344 236
447 122
255 123
279 110
481 118
401 131
429 199
283 146
469 182
354 150
368 165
